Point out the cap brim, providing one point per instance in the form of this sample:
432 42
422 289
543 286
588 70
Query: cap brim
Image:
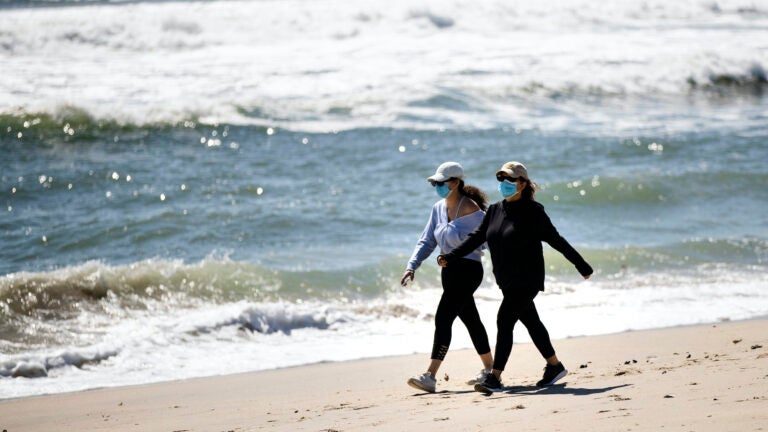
437 178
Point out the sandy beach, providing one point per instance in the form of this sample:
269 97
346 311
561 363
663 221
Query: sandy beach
700 378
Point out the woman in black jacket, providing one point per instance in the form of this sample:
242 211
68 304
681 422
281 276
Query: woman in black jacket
514 229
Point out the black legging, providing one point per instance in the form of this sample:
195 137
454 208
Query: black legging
519 306
460 280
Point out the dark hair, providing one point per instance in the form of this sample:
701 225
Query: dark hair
528 191
475 194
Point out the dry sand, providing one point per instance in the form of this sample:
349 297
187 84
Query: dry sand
701 378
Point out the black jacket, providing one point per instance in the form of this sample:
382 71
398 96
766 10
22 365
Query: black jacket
514 232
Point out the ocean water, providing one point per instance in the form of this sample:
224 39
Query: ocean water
200 188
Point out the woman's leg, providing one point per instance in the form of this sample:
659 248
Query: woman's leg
554 370
447 310
470 316
539 334
471 278
505 321
444 316
456 293
460 280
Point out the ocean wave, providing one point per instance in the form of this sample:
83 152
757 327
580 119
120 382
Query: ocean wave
533 104
753 81
157 284
480 67
178 327
245 321
73 125
439 21
139 285
277 317
249 336
287 317
96 287
39 366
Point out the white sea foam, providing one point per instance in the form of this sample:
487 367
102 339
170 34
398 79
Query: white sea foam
147 346
338 65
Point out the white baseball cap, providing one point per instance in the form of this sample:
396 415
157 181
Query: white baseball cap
447 170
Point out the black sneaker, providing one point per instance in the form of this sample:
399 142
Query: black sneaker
552 374
489 385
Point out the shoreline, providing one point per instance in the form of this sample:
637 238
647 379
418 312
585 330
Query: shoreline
425 353
700 377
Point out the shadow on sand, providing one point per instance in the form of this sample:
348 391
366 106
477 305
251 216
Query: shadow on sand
445 393
533 390
561 389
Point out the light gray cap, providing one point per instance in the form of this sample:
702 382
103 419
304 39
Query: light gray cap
447 171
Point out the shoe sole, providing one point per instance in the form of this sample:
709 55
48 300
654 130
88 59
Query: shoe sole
417 385
555 379
485 390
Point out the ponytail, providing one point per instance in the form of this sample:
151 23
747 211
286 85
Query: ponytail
528 191
475 194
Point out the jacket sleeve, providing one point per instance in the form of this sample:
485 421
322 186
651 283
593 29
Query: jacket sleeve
426 244
473 241
549 234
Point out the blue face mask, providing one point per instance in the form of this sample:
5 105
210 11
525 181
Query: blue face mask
507 189
443 191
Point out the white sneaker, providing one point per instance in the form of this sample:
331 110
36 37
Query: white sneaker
480 377
424 382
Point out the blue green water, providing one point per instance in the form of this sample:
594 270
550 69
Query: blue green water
293 200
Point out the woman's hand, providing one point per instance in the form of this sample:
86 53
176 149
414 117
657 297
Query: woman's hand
587 276
407 277
441 261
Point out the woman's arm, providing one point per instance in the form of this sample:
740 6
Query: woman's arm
426 244
473 241
549 234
